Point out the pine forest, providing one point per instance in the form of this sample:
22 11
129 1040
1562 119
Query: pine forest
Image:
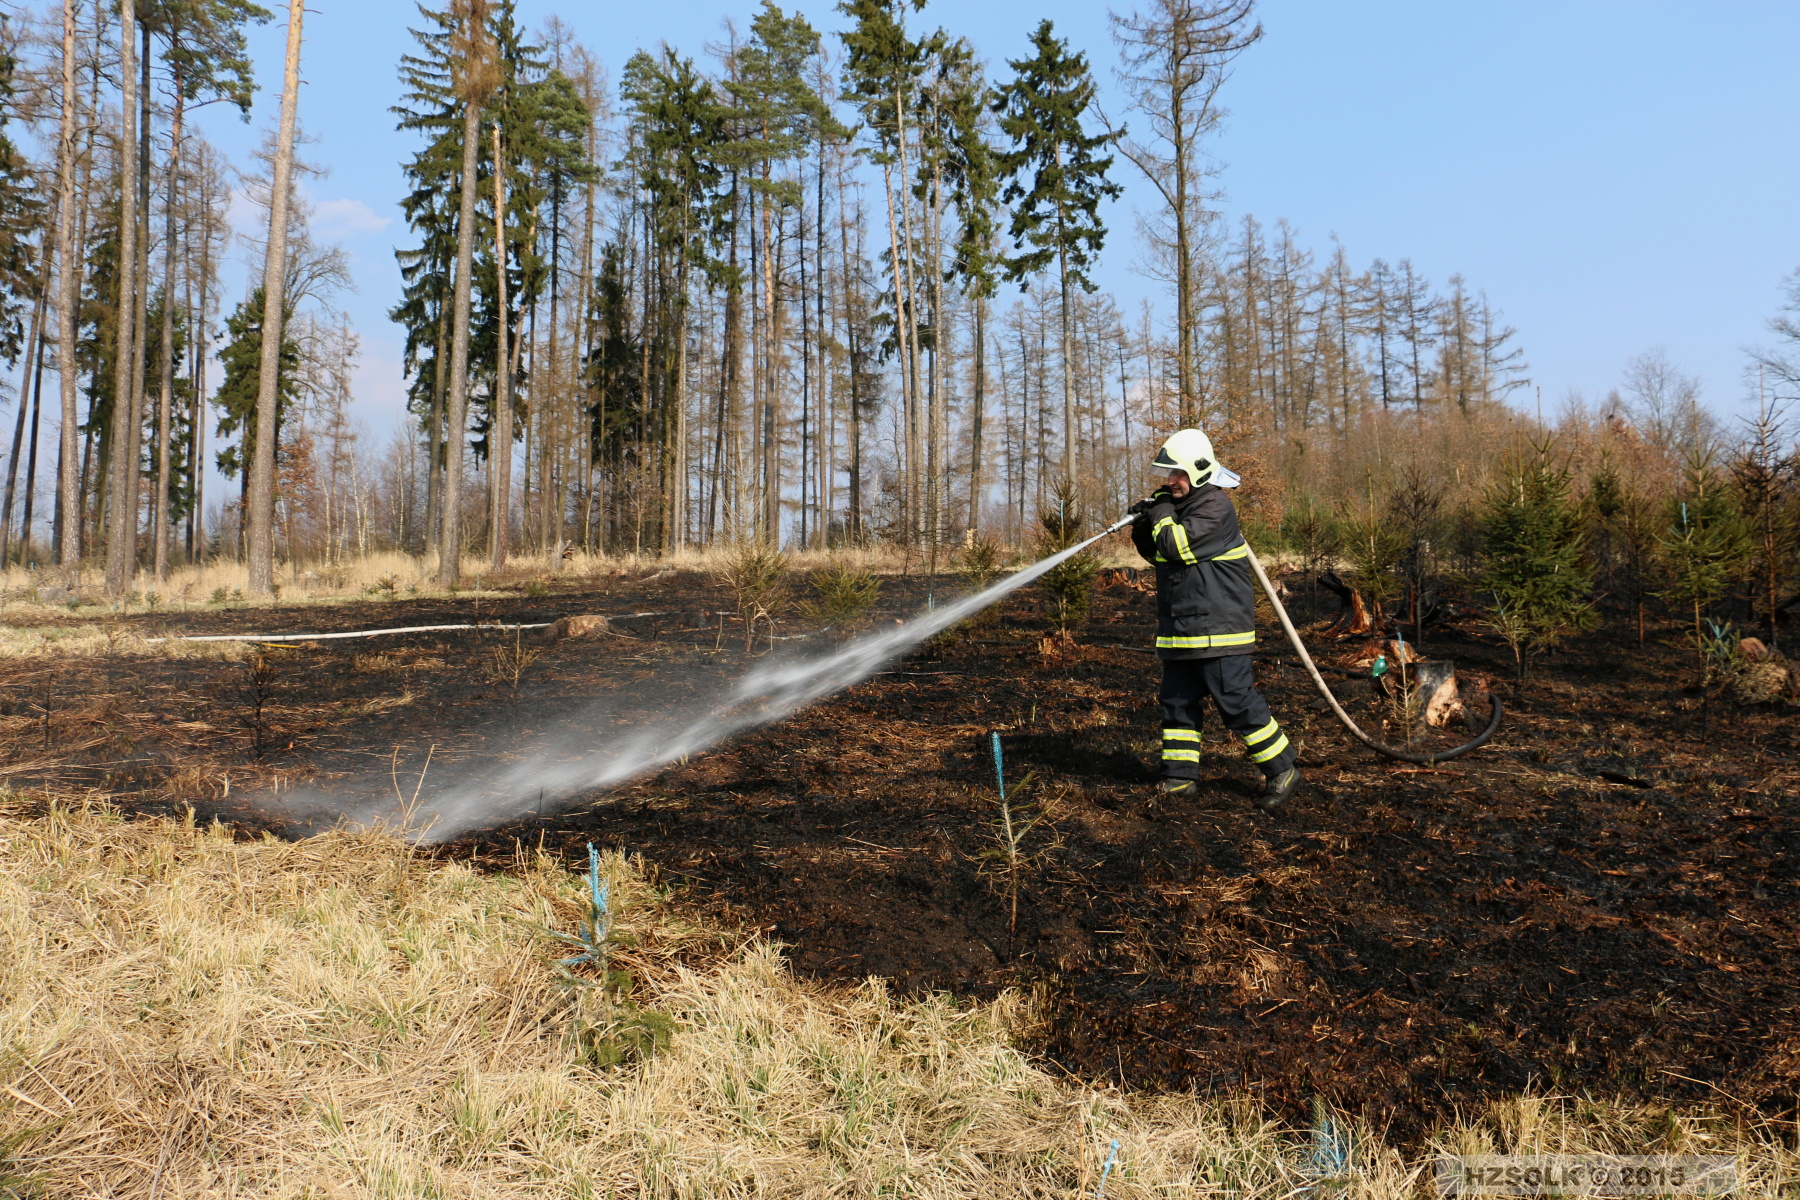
785 289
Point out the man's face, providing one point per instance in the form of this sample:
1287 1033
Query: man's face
1179 485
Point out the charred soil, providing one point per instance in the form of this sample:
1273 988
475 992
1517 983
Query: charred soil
1602 900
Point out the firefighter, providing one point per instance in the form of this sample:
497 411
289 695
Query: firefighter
1206 620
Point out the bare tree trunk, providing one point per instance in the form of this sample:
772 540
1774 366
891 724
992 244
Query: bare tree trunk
806 413
450 526
261 497
34 348
1185 376
854 532
1070 466
139 345
80 516
591 407
902 304
434 463
165 400
68 504
31 457
772 360
500 440
197 404
519 345
121 534
584 339
827 426
910 350
678 429
936 467
980 398
731 400
91 476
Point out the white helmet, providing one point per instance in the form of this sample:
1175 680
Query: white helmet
1192 451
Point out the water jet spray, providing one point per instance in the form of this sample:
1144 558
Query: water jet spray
766 693
553 772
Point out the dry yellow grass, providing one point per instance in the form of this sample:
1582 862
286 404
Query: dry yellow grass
103 640
388 574
81 631
188 1015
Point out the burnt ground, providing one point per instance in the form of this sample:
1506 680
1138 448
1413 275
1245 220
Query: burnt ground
1603 899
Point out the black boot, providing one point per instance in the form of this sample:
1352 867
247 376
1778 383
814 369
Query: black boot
1180 789
1277 789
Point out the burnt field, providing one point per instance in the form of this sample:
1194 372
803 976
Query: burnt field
1602 900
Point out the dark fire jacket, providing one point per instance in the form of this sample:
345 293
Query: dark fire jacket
1205 597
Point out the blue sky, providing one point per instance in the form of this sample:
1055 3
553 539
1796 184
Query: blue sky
1614 175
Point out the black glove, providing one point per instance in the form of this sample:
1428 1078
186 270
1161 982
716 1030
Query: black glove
1159 496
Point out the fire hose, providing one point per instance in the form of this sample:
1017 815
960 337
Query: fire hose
1429 758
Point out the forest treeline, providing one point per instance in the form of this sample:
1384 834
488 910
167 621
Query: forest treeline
784 288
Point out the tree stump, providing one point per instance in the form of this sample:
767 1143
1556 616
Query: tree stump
581 625
1435 692
1353 618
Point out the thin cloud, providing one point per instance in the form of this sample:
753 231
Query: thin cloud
347 218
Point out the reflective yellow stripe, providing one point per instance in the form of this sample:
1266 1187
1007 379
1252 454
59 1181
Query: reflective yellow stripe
1267 731
1181 735
1155 531
1182 549
1205 641
1241 550
1270 751
1181 545
1169 755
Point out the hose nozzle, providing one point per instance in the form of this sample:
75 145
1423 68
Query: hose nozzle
1121 523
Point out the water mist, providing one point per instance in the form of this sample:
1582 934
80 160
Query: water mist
557 768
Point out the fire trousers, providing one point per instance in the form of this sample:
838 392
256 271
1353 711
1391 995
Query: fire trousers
1186 683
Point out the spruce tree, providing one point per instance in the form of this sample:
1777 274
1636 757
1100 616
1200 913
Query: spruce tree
678 167
882 68
775 112
236 398
1534 556
22 215
1705 546
428 107
1056 181
542 123
207 56
1070 583
972 170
